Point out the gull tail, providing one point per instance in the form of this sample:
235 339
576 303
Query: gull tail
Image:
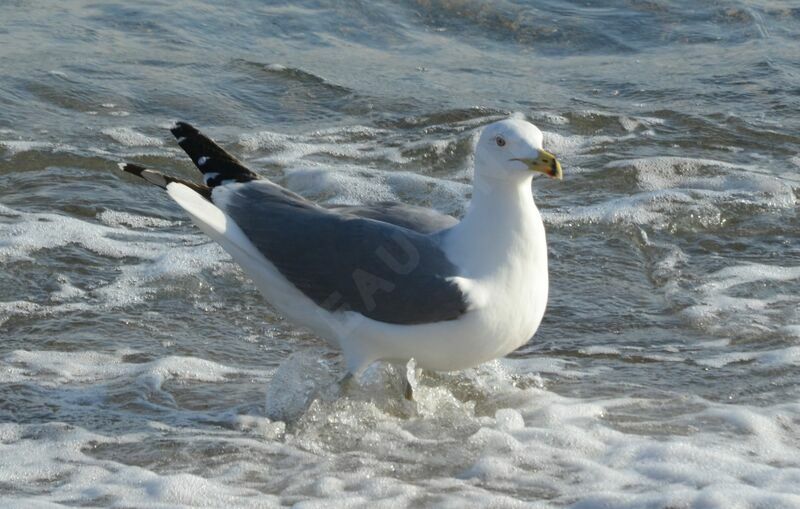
195 199
217 165
157 178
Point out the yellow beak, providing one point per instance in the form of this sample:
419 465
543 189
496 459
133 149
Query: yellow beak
546 163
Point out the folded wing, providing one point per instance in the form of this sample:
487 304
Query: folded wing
345 262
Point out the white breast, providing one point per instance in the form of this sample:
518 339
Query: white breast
512 289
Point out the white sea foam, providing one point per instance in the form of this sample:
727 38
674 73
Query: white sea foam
135 282
631 124
691 189
163 256
33 232
351 142
13 147
66 292
130 138
18 308
45 454
680 189
119 218
601 350
764 359
505 434
715 180
503 443
53 368
722 311
552 118
349 185
569 145
791 330
641 209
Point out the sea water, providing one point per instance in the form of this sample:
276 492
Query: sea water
140 368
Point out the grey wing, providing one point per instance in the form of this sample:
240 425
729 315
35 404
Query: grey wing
344 262
419 219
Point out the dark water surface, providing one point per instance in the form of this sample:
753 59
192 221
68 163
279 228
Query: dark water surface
139 367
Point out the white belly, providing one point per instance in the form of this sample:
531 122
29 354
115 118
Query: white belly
510 308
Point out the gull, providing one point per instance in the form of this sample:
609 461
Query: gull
387 281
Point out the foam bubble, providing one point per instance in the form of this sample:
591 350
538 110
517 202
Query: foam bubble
52 368
133 285
509 419
680 190
67 292
298 380
643 209
14 147
130 138
769 359
715 180
351 143
553 118
163 256
463 444
118 218
791 330
631 124
32 232
350 185
39 455
722 310
567 145
18 308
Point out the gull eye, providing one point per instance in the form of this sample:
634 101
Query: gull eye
501 142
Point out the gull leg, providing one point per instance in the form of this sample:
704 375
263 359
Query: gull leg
408 389
409 371
345 382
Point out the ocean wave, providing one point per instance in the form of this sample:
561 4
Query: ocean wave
471 436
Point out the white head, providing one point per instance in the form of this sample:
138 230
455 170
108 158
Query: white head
512 149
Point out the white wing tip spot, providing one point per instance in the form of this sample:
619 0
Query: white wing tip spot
122 166
181 139
203 160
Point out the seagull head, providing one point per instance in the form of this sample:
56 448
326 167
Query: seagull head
512 149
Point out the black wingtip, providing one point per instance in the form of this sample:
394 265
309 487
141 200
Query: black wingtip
216 165
135 169
159 179
154 177
183 129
